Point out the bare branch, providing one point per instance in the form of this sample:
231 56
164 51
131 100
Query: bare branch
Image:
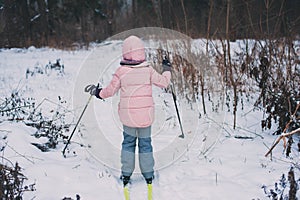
282 137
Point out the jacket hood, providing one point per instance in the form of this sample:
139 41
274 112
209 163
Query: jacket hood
133 50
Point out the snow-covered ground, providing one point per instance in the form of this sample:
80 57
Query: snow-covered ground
209 164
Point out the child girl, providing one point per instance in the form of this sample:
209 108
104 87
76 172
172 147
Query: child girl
134 79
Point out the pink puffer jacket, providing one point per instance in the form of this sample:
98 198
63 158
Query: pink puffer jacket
136 106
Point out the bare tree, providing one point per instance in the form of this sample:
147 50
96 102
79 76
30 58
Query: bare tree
43 25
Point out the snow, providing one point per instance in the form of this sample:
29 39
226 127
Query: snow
210 163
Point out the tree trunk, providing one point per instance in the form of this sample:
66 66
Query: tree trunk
43 22
231 77
211 5
25 21
202 82
10 28
185 17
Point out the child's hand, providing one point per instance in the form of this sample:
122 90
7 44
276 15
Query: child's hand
166 64
93 90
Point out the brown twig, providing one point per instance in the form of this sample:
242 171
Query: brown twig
283 136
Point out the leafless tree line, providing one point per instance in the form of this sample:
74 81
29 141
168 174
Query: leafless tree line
62 23
268 66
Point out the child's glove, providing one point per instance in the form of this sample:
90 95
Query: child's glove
166 64
93 90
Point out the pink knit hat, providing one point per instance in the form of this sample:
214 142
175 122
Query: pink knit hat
133 50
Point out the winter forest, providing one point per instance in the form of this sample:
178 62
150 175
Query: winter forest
62 23
234 96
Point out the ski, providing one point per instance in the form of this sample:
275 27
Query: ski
126 193
149 187
128 182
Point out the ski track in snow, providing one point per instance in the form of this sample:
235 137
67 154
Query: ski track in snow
230 169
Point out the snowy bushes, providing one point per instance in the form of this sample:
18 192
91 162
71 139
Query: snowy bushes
16 107
11 179
285 188
266 70
12 182
51 125
278 79
47 69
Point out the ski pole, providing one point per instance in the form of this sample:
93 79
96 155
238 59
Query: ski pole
176 107
178 116
69 140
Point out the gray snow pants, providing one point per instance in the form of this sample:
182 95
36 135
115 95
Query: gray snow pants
146 160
